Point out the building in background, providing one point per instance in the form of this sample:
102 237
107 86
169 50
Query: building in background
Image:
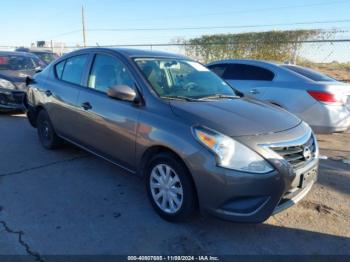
56 47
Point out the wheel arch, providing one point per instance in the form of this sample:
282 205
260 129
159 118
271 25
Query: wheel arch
157 149
154 150
32 114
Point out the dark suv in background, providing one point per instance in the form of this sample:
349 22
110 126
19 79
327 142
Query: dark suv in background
45 55
167 118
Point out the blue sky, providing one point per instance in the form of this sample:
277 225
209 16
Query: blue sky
24 22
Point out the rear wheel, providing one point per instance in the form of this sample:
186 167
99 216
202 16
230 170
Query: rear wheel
170 188
46 132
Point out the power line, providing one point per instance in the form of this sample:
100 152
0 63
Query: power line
216 27
65 33
98 30
281 7
198 28
212 14
245 11
222 43
343 30
208 44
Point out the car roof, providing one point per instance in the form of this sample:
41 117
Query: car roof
40 51
247 62
132 53
17 53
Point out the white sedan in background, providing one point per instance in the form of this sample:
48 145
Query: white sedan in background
321 101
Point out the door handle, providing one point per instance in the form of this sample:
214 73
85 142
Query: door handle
254 91
48 93
86 106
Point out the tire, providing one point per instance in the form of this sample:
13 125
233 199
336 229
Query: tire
32 117
46 132
181 193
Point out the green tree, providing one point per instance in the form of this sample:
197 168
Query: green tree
270 45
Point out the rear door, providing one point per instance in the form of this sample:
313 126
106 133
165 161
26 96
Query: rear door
249 79
62 92
108 126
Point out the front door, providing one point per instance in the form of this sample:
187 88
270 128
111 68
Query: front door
108 126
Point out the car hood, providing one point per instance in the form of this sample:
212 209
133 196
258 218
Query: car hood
236 117
16 75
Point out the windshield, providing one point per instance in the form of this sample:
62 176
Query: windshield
311 74
16 62
46 57
182 79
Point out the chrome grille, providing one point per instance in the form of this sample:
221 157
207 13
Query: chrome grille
297 155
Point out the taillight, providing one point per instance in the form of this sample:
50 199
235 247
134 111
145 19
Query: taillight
327 97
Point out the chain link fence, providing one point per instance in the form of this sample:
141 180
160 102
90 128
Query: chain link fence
331 57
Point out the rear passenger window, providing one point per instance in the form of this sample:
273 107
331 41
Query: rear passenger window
248 72
59 69
74 68
218 69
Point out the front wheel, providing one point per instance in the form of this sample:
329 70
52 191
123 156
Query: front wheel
170 188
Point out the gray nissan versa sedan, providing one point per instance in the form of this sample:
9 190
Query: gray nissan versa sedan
193 138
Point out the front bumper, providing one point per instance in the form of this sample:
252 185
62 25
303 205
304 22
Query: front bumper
12 100
252 198
255 199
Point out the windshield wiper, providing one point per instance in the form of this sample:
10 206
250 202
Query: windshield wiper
180 98
219 96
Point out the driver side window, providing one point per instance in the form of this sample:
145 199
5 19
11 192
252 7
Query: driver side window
106 72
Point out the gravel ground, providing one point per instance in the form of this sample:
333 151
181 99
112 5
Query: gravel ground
70 202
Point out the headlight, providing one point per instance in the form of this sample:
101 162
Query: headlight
6 84
230 153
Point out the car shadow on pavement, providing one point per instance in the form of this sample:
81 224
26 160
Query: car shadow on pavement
12 113
233 238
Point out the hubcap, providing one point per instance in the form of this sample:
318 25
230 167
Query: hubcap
166 188
45 130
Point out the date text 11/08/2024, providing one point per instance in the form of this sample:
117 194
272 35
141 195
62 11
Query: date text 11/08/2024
173 258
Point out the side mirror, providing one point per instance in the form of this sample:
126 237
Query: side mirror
29 81
122 92
38 69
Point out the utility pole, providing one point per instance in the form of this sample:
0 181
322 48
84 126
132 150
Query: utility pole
83 23
51 46
295 54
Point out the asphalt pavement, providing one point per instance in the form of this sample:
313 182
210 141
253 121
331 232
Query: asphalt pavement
70 202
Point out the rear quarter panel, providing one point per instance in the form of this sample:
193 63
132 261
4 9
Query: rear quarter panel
291 96
34 91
